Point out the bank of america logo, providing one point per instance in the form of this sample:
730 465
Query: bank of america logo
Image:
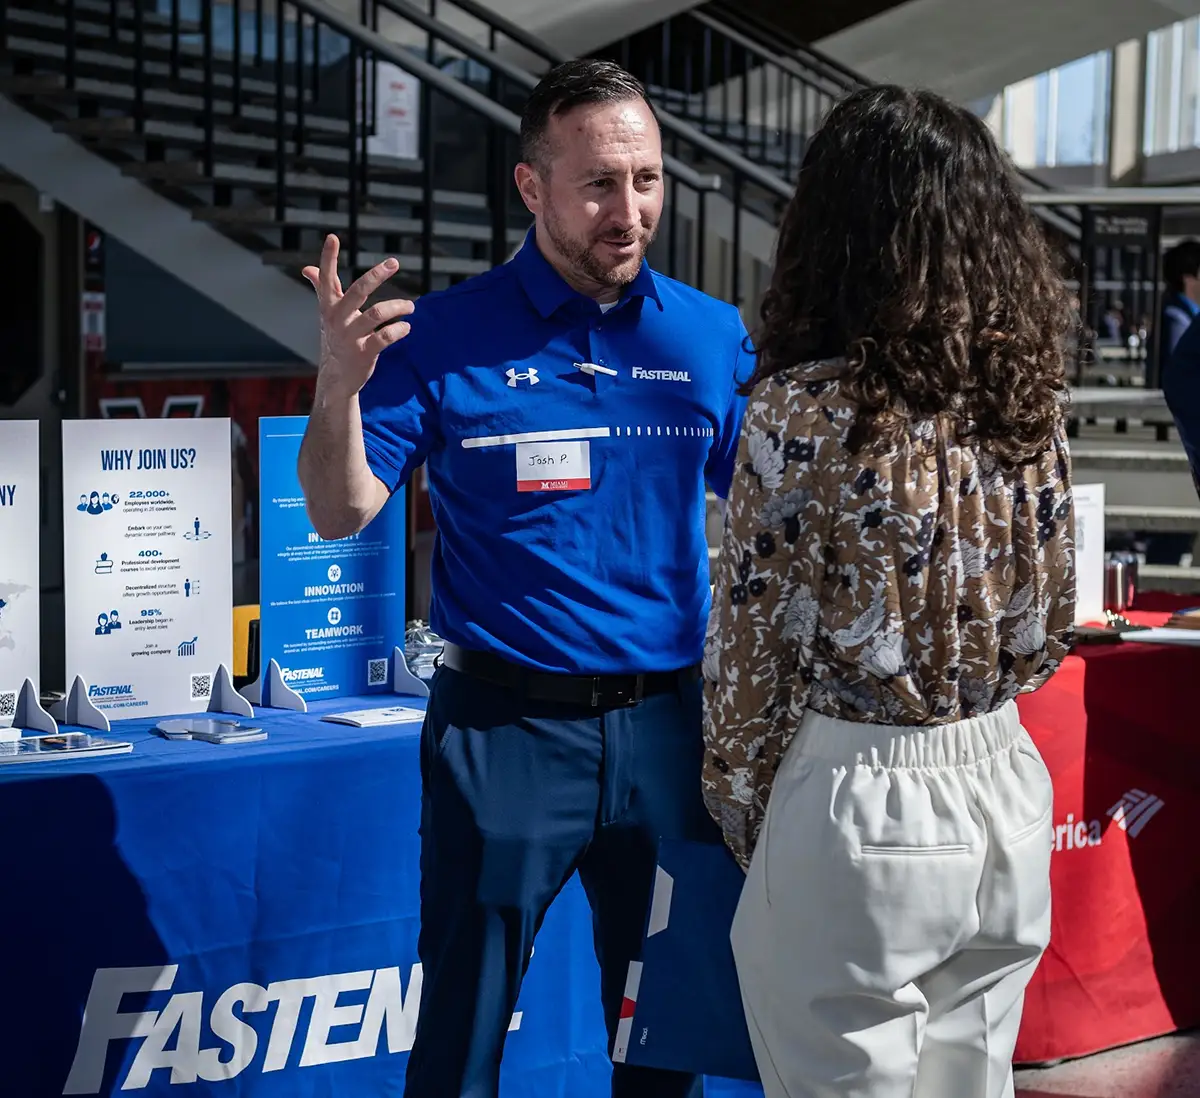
529 375
1134 810
187 648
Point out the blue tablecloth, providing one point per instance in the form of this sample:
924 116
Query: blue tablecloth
244 919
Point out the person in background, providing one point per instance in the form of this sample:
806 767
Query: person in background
1181 304
1181 360
570 405
1112 324
897 567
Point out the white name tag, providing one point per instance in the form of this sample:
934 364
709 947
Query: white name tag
554 466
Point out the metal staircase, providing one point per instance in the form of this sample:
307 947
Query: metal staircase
259 120
751 87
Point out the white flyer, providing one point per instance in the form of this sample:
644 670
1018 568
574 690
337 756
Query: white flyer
371 718
148 563
1089 553
20 522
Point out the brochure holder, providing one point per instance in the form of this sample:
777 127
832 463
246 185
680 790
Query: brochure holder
77 709
30 716
269 691
225 699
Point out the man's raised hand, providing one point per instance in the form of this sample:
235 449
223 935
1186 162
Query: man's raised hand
352 340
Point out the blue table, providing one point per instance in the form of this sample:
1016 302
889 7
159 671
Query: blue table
244 921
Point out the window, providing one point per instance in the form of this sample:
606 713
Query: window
1060 117
1173 88
1081 111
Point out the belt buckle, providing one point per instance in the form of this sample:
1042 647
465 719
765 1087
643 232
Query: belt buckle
622 698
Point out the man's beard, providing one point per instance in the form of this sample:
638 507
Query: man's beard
579 254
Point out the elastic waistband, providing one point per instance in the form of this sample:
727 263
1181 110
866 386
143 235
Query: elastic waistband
895 747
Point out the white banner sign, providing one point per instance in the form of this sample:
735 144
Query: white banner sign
1089 553
148 562
397 111
20 520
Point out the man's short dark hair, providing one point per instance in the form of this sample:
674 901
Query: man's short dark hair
1181 260
572 84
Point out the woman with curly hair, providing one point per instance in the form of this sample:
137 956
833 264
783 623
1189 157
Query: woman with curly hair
897 567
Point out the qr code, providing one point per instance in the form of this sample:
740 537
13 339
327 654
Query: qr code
201 686
377 672
8 703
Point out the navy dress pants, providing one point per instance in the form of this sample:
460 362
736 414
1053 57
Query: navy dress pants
517 796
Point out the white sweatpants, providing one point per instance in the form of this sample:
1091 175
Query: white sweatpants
895 909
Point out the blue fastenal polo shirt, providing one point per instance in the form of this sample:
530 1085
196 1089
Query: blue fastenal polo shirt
569 502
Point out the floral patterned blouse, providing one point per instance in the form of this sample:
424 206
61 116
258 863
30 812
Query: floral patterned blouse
921 586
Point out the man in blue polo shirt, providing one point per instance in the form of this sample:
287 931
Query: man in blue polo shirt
570 406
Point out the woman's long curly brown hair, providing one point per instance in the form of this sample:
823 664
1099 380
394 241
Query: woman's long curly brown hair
908 251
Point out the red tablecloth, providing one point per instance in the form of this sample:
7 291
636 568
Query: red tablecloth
1118 732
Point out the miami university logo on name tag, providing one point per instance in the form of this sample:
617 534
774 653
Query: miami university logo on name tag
554 466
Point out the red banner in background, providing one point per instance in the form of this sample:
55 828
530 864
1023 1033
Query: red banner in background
243 399
1116 731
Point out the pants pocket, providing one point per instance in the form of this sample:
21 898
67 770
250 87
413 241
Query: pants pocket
875 850
787 787
1023 833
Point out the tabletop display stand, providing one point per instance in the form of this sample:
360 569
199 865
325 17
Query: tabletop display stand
77 709
30 716
271 692
225 699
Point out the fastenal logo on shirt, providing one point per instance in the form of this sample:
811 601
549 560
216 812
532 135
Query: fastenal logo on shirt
171 1037
1131 813
660 375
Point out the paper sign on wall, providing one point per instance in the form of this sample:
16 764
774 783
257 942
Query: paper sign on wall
397 113
147 561
331 611
1089 553
20 518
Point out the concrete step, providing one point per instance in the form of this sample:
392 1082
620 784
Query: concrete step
1136 473
1105 402
229 145
177 106
1102 457
1169 577
190 173
1158 520
448 265
339 221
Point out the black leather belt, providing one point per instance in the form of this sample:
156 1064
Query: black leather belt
596 691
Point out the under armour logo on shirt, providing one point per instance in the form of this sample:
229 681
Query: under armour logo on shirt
529 375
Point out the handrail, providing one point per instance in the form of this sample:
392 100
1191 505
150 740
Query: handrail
772 37
414 66
509 29
676 127
518 76
765 178
783 61
1118 196
752 35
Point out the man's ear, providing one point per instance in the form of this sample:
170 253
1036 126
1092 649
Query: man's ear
529 184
